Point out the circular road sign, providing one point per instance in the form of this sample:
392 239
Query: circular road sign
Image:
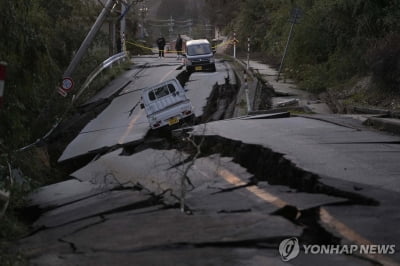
67 84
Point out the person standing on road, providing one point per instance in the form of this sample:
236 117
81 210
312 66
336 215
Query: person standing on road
178 47
161 45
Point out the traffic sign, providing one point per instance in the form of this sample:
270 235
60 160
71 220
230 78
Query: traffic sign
67 84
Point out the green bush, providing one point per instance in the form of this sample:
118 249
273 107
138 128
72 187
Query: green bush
39 38
333 41
384 61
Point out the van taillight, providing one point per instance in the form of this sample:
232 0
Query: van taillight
157 124
186 112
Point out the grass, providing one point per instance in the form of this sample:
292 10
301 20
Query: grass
103 79
38 169
299 112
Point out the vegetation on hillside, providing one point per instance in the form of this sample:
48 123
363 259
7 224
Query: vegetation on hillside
334 40
38 40
186 14
180 10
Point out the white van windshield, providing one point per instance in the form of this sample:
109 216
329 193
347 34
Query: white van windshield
199 49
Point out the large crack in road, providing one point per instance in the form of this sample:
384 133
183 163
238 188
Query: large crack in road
266 168
269 166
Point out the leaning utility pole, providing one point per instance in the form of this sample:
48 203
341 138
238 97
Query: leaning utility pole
89 38
123 27
296 15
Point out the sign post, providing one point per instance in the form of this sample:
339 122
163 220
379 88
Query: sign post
248 53
234 44
62 92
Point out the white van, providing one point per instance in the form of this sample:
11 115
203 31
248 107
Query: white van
199 56
166 104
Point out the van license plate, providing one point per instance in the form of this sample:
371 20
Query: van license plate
173 121
197 68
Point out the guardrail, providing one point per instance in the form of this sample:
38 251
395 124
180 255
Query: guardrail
106 63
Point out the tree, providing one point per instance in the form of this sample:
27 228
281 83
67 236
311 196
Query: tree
37 53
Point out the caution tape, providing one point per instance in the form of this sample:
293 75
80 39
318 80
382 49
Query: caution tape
150 48
229 42
139 45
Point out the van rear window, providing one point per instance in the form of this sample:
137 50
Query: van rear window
161 92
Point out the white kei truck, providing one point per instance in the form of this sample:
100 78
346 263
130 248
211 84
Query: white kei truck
166 104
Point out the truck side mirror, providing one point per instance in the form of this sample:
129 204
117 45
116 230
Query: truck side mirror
142 106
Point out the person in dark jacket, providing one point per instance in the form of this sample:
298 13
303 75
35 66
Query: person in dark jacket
178 46
161 45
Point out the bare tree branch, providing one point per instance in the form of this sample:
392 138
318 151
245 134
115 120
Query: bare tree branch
184 176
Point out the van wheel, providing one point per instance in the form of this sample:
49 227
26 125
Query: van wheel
213 69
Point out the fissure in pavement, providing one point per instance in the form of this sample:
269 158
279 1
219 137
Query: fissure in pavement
268 165
263 163
264 243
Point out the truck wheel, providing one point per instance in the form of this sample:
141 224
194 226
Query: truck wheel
189 121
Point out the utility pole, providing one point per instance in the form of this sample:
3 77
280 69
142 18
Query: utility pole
89 38
123 27
171 27
143 12
190 28
296 14
248 53
113 39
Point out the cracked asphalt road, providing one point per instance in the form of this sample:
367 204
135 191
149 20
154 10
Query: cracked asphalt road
255 183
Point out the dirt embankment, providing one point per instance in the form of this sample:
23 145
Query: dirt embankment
362 95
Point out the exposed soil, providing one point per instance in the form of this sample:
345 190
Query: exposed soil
362 93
